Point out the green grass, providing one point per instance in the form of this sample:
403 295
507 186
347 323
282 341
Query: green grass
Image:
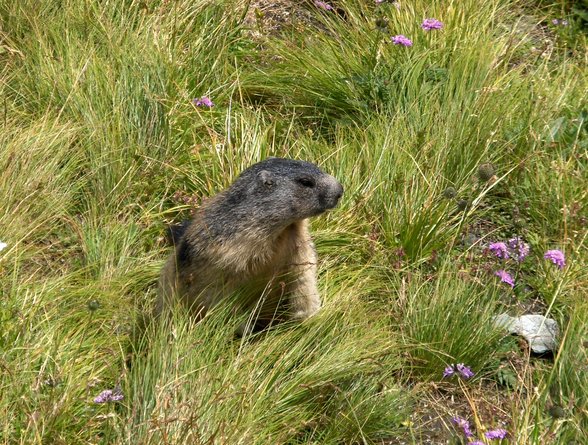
100 140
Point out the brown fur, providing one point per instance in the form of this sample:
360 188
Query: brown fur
258 244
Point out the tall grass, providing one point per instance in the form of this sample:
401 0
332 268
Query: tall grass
100 139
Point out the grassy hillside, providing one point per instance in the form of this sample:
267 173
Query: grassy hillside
477 133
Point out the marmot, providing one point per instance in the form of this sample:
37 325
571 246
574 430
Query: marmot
252 240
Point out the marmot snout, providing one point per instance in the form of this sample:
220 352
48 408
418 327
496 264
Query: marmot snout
253 238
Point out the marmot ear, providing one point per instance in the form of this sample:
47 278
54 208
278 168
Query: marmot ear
266 178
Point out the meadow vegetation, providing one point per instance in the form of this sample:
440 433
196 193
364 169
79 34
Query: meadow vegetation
102 146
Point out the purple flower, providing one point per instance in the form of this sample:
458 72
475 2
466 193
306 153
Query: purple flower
495 434
556 257
519 249
464 425
476 442
555 21
448 371
564 23
401 40
505 277
109 395
465 371
203 101
323 5
499 249
516 249
429 24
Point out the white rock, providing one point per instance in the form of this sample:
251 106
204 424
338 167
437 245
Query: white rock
540 332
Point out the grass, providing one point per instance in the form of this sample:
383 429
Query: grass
101 143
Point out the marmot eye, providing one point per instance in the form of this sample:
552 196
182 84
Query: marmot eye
306 182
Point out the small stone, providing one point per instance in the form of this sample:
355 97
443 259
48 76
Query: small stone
540 332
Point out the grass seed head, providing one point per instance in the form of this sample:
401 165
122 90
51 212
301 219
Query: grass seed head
463 205
486 172
93 305
449 193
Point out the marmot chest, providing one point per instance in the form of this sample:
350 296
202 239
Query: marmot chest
278 255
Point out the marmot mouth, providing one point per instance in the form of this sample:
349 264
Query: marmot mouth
330 201
331 206
326 206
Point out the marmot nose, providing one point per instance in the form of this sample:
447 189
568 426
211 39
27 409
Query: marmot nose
334 194
338 192
332 191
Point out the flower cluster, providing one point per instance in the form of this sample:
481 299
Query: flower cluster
505 277
203 101
560 22
497 434
464 425
500 250
401 40
516 249
556 257
323 5
109 395
460 369
427 25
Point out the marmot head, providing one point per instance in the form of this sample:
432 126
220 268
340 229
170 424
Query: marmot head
280 191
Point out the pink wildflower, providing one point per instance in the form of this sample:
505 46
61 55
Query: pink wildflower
429 24
505 277
556 257
401 40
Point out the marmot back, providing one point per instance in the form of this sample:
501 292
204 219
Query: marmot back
253 238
